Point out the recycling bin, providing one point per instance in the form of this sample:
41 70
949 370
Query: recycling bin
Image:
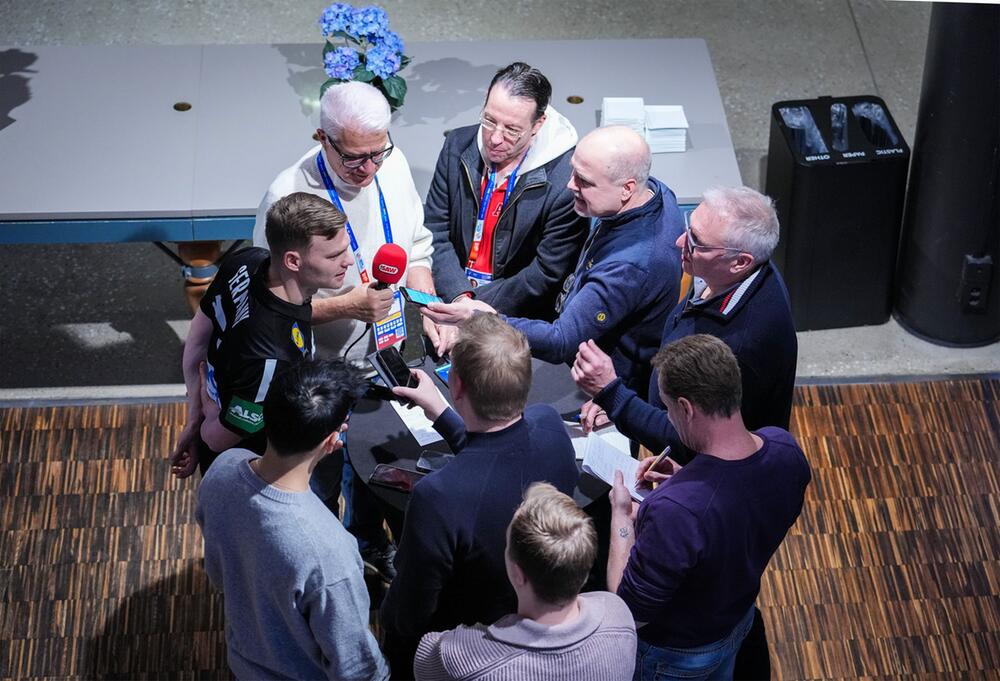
836 168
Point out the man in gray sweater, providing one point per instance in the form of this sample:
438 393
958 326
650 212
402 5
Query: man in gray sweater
557 633
295 599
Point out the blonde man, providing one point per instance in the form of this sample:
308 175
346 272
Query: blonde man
557 632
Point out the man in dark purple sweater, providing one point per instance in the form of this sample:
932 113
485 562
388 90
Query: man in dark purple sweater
689 562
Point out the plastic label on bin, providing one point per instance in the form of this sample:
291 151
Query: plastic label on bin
874 123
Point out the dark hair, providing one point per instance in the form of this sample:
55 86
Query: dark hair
702 369
292 220
526 82
494 362
307 402
554 542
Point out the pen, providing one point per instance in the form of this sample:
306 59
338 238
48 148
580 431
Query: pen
657 462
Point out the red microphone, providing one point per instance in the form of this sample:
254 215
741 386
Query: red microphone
389 265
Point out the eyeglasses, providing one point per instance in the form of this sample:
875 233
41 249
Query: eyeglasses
509 136
691 245
354 162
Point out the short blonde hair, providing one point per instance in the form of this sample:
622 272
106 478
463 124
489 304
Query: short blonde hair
553 541
494 362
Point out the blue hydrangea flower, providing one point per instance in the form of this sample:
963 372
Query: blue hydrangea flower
340 63
391 42
336 17
369 22
382 62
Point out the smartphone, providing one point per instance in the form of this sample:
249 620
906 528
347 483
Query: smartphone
430 460
419 297
389 364
442 371
394 477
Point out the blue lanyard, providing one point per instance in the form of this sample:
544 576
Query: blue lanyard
335 200
491 182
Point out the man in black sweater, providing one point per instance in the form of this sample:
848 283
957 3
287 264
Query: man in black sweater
450 563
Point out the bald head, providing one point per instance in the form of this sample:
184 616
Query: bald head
610 171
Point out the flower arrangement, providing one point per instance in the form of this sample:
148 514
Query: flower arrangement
369 51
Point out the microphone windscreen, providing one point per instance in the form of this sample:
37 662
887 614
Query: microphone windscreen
389 264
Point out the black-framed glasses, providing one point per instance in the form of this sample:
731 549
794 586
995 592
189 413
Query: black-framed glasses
692 245
353 162
510 136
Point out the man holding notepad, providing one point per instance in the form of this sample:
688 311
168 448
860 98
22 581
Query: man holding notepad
688 559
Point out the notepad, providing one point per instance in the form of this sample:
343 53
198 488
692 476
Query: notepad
601 459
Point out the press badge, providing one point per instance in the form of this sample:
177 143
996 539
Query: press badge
392 329
477 278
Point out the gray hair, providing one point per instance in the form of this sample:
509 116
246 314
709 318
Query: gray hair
353 105
750 217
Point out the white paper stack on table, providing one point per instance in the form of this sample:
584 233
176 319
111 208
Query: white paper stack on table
666 128
627 111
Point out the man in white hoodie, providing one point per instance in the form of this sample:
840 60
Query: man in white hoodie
504 227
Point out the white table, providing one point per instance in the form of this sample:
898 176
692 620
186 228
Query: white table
97 153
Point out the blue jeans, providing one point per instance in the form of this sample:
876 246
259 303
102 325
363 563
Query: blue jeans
710 662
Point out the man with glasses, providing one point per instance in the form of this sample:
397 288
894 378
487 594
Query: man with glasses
739 297
628 276
356 167
503 222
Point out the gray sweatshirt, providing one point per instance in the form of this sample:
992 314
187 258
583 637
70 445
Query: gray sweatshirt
599 645
295 599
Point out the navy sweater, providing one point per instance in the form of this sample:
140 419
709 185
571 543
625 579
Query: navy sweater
624 286
450 563
704 537
756 323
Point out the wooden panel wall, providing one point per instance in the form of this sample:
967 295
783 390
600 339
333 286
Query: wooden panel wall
892 571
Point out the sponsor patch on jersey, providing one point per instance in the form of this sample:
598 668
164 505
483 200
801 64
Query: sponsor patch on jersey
601 317
297 338
245 415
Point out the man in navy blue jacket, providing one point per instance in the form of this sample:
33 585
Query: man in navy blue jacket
450 565
628 276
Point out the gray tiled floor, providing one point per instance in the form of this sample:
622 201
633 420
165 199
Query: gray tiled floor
762 52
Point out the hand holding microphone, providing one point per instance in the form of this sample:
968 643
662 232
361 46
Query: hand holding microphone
373 301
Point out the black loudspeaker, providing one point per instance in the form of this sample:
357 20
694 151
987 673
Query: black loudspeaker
836 168
948 289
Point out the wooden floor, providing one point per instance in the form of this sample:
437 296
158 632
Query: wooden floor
892 571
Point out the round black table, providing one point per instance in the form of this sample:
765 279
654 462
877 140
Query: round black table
377 435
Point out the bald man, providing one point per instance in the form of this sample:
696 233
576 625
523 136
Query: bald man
628 276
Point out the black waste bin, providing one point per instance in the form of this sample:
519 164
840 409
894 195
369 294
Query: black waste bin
836 168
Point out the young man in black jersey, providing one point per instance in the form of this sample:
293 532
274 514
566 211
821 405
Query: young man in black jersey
256 320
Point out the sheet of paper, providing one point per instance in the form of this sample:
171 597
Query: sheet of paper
602 460
419 425
609 434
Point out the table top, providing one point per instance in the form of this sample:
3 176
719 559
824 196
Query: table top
377 435
90 133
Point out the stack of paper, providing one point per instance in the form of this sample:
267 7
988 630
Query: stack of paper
666 128
627 111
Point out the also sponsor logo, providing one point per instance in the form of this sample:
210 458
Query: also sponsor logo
246 415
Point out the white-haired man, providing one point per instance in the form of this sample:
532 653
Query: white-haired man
627 278
356 167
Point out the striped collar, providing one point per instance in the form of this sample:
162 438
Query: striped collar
724 304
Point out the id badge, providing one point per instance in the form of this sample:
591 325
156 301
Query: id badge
477 278
392 329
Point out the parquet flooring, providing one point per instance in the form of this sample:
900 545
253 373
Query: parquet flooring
893 570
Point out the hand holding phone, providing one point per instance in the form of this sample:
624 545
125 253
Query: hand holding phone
419 297
389 364
425 395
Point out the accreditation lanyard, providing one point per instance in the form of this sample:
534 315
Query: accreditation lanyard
335 200
484 204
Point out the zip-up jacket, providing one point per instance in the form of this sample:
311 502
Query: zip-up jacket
624 286
538 236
